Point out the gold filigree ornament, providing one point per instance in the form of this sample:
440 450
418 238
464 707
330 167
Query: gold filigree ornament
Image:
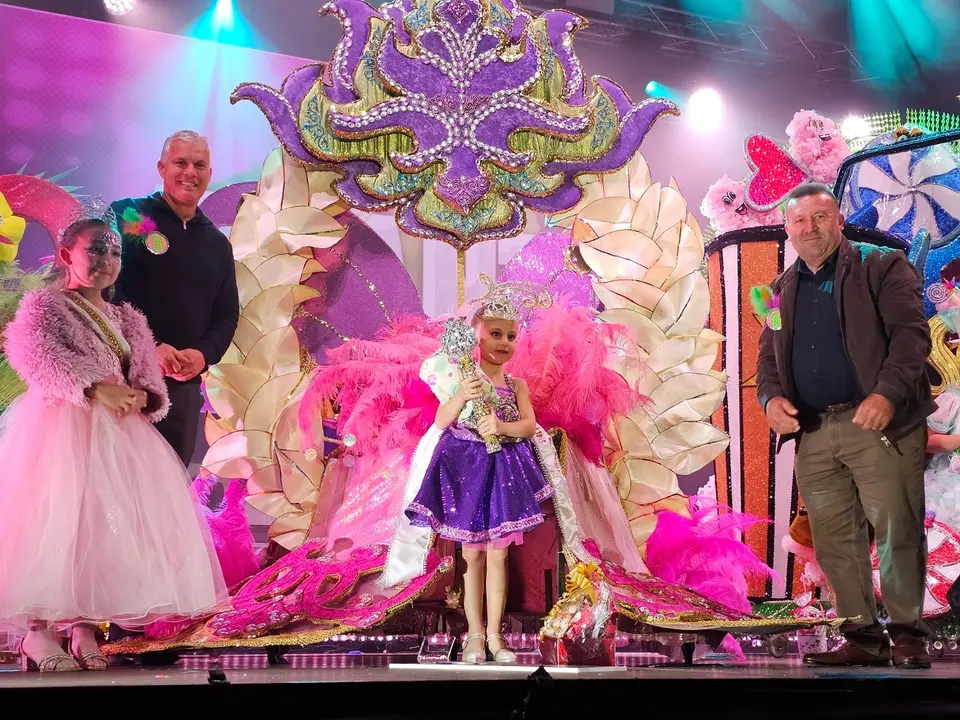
644 252
256 389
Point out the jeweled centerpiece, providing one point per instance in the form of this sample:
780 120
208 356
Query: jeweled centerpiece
460 115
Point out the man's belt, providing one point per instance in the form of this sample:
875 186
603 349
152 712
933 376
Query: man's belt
841 408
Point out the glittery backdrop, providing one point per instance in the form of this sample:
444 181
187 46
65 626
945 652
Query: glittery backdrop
365 287
542 261
88 105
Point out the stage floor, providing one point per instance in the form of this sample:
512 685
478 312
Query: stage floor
348 687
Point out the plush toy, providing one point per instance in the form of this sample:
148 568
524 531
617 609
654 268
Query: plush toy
799 541
817 145
724 207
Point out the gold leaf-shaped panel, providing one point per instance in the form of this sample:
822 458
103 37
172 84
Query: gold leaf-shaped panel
645 215
699 391
620 254
631 439
270 187
297 486
687 447
280 270
306 220
276 353
286 433
693 410
291 540
272 397
274 307
214 429
689 253
645 481
230 388
265 480
253 230
685 308
674 351
239 444
629 294
290 523
232 355
672 210
246 336
644 332
638 173
273 504
608 214
298 242
296 187
247 284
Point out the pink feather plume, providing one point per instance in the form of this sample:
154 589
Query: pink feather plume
562 356
703 553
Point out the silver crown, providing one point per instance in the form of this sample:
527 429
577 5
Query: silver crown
93 208
512 300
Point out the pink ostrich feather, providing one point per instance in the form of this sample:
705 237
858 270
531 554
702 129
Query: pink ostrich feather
376 387
563 359
703 552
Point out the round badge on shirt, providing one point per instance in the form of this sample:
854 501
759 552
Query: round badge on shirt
157 243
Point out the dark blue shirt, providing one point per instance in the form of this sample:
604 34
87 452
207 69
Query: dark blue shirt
822 373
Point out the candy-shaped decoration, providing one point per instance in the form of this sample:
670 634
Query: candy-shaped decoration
773 173
458 114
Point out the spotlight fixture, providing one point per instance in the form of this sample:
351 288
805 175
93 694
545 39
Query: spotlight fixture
652 87
119 7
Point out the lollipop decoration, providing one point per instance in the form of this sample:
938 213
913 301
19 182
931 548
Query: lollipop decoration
457 114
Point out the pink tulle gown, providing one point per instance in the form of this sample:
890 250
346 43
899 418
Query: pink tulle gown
97 520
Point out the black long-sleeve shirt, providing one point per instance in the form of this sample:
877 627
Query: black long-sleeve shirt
188 293
822 371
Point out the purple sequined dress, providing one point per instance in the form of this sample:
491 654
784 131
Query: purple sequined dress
474 497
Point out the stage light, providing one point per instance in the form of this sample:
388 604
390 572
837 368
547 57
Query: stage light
223 15
704 109
119 7
652 87
854 127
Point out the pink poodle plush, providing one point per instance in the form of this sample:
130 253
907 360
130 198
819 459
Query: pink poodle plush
817 145
724 207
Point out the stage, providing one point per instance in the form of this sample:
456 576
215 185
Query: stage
343 687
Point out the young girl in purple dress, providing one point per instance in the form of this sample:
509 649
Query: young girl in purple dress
485 500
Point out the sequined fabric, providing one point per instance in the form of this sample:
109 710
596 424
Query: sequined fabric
471 496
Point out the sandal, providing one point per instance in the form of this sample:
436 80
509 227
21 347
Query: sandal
475 657
94 660
56 662
503 656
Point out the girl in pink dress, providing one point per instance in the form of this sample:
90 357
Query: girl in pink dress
97 523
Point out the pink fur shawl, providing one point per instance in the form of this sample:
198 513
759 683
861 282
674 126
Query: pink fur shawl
57 353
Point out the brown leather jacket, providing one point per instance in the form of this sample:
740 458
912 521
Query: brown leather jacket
885 332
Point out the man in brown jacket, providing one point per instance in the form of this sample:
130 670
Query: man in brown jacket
845 376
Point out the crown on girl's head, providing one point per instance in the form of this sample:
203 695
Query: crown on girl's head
511 300
93 208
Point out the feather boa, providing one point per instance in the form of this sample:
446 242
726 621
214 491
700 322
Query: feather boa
383 403
702 552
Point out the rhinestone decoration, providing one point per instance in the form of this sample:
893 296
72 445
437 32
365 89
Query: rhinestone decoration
460 115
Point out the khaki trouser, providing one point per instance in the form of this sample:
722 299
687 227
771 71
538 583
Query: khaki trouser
848 476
